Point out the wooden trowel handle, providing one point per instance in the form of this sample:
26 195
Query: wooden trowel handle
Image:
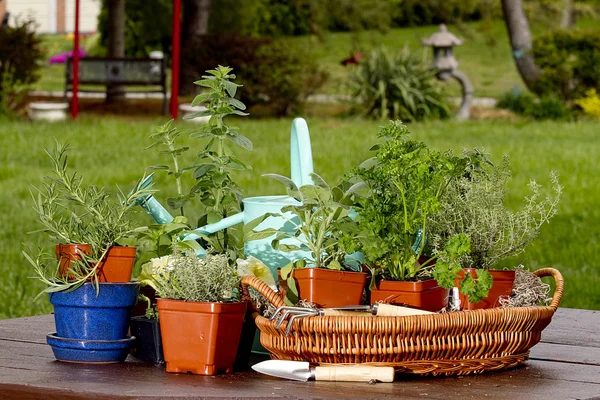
388 310
330 312
354 373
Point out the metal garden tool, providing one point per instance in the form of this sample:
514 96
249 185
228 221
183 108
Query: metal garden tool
302 371
378 309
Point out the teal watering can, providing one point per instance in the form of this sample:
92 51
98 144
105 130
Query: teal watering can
254 207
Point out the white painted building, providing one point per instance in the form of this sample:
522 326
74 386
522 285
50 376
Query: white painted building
53 16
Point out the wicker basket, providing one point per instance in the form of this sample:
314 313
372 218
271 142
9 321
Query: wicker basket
466 342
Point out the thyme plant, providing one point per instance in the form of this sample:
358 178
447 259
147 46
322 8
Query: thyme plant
181 277
219 195
474 205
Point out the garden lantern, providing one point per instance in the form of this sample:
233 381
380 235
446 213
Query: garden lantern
444 62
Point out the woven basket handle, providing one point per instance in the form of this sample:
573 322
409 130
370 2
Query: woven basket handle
260 287
560 284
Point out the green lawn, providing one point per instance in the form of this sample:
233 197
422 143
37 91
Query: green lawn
108 151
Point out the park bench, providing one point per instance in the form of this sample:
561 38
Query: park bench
122 71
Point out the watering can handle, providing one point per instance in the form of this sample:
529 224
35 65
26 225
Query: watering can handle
301 153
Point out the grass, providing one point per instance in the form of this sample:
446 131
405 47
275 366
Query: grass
108 151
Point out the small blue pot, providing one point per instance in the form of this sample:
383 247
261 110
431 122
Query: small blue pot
89 351
81 314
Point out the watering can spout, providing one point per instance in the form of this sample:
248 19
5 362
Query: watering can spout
301 153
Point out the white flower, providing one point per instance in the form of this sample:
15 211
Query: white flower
252 266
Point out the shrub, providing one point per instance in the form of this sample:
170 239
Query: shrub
278 74
433 12
546 107
397 86
569 61
515 101
20 58
590 104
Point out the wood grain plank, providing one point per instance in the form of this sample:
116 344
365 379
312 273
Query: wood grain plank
566 353
574 327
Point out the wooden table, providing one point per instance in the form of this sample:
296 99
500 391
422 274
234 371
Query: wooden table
566 365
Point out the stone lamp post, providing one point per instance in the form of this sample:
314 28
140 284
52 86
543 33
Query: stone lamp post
446 65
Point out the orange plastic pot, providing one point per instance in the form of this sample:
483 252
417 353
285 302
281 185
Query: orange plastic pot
117 265
329 288
502 286
424 295
201 338
67 254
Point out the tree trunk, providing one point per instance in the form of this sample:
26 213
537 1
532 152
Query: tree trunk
568 17
521 43
196 15
116 44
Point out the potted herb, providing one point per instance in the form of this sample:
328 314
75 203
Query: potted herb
324 230
154 242
474 205
200 318
405 181
89 287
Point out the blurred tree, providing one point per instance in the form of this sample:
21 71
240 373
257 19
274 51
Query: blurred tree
196 17
116 44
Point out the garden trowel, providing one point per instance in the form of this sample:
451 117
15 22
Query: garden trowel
302 371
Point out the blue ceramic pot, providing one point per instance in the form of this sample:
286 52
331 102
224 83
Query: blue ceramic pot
83 314
89 351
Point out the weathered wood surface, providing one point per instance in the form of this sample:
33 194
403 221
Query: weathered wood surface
566 365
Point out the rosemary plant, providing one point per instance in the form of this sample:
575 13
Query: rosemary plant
70 212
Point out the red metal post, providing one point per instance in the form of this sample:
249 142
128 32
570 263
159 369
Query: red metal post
74 99
175 54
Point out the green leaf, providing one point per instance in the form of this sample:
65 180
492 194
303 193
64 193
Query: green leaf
241 140
288 247
202 170
158 167
197 114
230 87
334 265
260 235
286 271
321 195
201 98
319 181
283 179
236 103
250 226
292 291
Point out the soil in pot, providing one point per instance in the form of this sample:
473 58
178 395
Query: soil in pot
424 295
502 286
328 288
201 338
117 265
66 254
148 341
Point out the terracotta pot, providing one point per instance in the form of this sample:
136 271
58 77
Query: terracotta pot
117 265
425 295
328 288
67 254
502 286
201 338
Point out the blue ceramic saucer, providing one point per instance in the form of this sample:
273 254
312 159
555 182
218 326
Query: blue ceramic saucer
89 351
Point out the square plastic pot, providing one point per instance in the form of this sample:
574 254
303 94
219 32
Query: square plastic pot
424 295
